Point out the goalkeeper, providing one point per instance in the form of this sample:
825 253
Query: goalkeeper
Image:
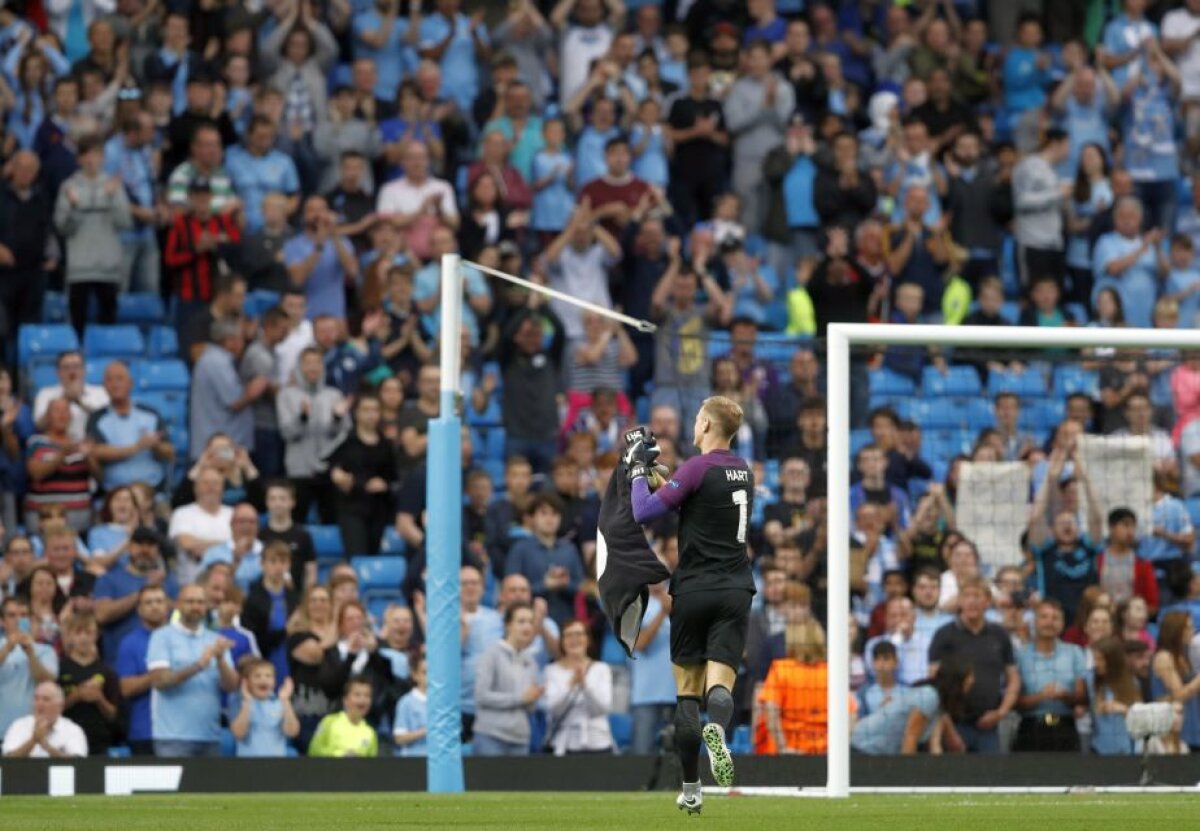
711 589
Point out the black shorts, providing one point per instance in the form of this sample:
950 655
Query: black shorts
710 625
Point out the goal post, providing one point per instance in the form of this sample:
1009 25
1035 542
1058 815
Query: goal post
841 338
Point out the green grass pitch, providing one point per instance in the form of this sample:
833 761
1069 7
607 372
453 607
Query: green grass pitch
628 812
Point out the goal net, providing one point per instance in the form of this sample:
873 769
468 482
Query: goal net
1006 544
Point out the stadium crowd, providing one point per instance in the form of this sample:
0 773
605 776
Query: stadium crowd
220 234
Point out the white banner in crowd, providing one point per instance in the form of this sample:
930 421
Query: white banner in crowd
993 509
1121 469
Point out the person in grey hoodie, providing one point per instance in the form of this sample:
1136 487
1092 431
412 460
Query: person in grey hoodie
313 419
91 211
507 688
757 110
1039 199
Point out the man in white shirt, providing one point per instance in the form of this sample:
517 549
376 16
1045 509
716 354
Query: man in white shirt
197 527
584 36
417 193
85 398
1181 41
299 337
46 733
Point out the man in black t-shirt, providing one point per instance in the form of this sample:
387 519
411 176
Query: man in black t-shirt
281 500
988 650
701 160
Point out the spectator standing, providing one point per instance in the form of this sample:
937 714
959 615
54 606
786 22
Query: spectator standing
153 609
220 402
243 551
578 261
321 260
25 224
195 243
256 169
1173 677
265 719
46 732
578 697
417 202
1112 689
652 690
198 526
531 371
700 162
987 648
259 360
90 213
85 398
23 663
129 158
550 563
1122 574
363 470
1052 685
93 692
411 722
1039 198
189 670
482 626
507 689
269 604
228 303
757 110
130 442
313 418
118 592
585 33
204 163
282 527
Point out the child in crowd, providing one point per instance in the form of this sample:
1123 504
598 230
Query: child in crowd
92 689
649 144
265 720
346 733
282 527
884 662
410 725
553 180
1183 279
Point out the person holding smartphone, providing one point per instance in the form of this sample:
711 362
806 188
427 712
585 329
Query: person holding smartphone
23 663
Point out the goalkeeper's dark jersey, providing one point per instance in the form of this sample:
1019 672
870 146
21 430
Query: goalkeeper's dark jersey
714 494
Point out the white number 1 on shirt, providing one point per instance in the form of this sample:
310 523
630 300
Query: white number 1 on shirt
740 499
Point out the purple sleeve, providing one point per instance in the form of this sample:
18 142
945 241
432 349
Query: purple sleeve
685 481
647 507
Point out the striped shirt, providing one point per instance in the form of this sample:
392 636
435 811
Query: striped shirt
606 373
218 180
69 485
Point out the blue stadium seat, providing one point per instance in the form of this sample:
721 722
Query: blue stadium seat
979 414
858 439
771 474
1027 384
162 342
120 341
377 604
775 319
621 725
641 409
141 307
958 382
886 382
119 751
1193 508
741 745
1072 379
172 406
93 371
718 344
392 543
178 434
379 572
778 348
327 542
258 301
936 415
1010 310
494 443
163 374
1078 311
54 307
228 743
494 468
1042 414
43 375
43 342
491 414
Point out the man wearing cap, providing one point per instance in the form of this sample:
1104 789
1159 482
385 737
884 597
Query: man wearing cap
129 157
191 253
116 593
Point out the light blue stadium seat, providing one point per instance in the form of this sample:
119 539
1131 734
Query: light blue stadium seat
779 348
377 604
1010 310
741 745
327 542
379 572
936 414
43 342
162 342
119 751
120 341
1078 311
886 382
1042 414
93 371
162 374
859 438
178 434
494 468
54 307
718 344
621 725
771 474
392 543
494 443
43 375
958 382
171 406
979 414
1027 384
1072 379
140 307
258 301
1193 508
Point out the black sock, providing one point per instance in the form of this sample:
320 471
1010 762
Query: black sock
719 704
687 736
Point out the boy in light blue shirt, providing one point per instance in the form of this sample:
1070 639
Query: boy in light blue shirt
409 727
884 662
264 721
1183 279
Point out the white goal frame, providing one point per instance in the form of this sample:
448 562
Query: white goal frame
840 338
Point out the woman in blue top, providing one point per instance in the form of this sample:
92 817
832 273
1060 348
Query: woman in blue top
108 541
1172 677
1112 690
1091 195
30 72
916 716
649 143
